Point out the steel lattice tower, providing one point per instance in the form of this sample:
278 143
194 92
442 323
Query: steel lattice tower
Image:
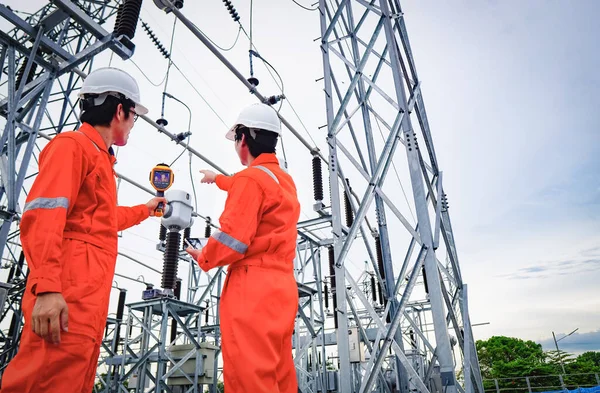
371 83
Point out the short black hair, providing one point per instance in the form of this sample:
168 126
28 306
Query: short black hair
262 142
102 115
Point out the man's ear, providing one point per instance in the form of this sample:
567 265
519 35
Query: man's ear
120 111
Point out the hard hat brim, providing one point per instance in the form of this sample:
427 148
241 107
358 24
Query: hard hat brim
140 109
231 133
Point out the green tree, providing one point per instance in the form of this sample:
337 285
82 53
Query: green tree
510 359
592 358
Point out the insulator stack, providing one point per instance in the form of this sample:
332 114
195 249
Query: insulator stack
130 13
156 41
413 341
13 269
333 284
380 292
21 73
162 235
373 289
177 290
425 280
120 311
170 260
326 296
383 298
317 178
118 19
187 232
206 317
348 207
207 229
177 294
121 304
232 10
379 258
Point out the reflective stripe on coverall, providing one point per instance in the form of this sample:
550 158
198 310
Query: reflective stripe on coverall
260 296
69 236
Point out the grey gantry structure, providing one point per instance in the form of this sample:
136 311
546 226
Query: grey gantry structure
400 323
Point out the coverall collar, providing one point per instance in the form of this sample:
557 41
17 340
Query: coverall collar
95 137
265 158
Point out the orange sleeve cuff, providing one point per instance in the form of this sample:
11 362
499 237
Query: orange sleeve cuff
45 285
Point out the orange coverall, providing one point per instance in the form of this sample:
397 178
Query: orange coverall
69 235
260 296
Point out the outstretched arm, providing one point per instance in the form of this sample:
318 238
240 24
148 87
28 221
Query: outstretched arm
130 216
239 223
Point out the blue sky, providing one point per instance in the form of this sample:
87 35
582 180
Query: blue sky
512 90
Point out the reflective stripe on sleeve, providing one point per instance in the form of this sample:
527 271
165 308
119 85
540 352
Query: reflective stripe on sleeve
230 242
47 203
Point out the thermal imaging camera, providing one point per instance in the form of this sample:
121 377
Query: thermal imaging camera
161 178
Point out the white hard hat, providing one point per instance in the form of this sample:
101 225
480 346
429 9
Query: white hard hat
257 115
113 80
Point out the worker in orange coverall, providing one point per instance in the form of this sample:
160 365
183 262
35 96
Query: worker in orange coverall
69 236
258 241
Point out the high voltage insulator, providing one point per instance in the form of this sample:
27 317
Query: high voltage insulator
21 73
373 289
331 255
326 296
232 10
13 269
413 340
177 294
156 41
118 19
425 279
187 233
170 260
317 178
127 20
162 235
348 207
208 228
383 299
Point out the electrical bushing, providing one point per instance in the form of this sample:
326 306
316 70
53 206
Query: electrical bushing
207 228
177 216
331 255
128 17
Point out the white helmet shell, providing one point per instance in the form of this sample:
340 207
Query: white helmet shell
257 115
110 79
